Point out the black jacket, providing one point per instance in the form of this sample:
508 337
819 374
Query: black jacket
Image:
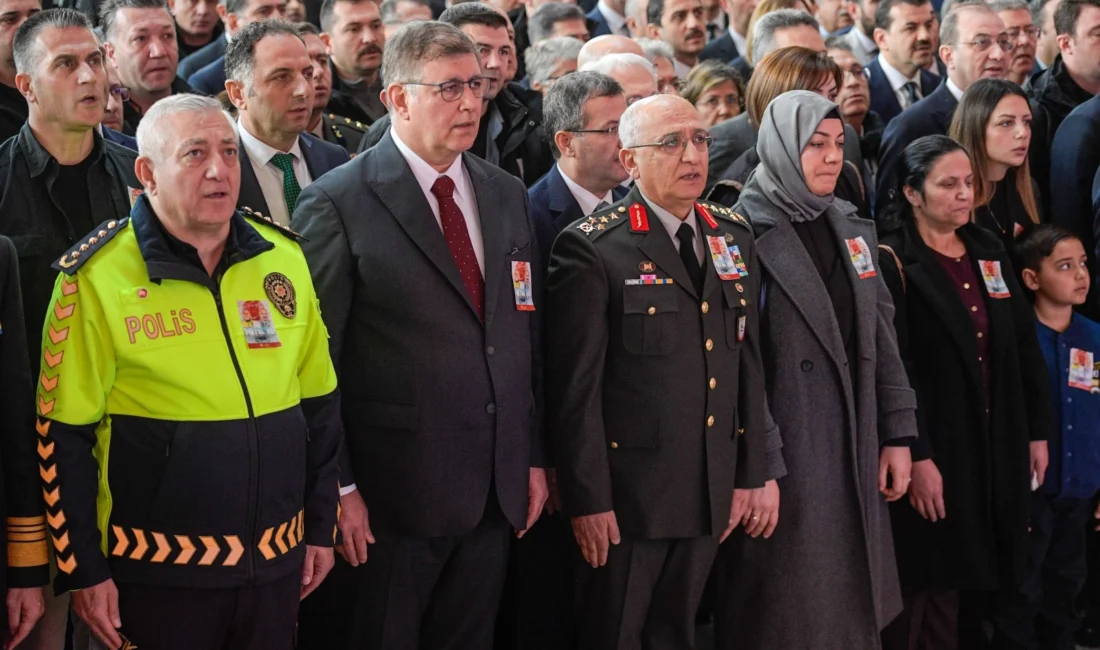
1054 95
524 150
981 449
13 111
31 216
131 116
202 57
342 103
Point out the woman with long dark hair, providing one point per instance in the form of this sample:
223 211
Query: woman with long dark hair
993 123
840 399
967 337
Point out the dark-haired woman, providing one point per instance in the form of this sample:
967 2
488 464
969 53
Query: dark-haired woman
967 336
993 123
842 405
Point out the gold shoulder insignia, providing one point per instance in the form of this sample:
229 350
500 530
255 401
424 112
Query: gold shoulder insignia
267 220
75 257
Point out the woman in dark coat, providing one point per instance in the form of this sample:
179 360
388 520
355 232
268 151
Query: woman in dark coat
967 336
838 393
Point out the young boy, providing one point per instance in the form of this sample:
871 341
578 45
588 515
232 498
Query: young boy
1052 264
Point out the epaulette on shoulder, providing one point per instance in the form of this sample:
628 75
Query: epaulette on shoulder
723 212
347 122
79 254
268 221
602 221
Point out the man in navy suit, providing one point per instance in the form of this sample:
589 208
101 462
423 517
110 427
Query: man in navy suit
962 27
904 32
278 159
210 78
608 17
732 43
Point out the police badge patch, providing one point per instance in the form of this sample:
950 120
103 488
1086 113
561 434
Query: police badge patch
281 293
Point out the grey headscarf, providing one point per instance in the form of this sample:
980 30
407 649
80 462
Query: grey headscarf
788 124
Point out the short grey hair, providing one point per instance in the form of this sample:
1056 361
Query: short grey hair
152 131
1010 5
545 17
630 126
388 9
542 58
417 44
612 63
240 54
763 33
563 107
655 49
26 54
839 43
949 28
108 11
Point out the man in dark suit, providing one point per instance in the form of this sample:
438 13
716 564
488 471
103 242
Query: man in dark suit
355 36
278 159
655 392
962 26
904 31
1075 157
205 55
442 393
732 43
238 14
330 127
608 17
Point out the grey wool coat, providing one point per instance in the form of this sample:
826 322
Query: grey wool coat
826 580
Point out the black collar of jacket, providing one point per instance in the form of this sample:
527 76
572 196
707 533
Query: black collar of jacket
219 29
13 101
906 241
131 115
1056 83
39 160
168 258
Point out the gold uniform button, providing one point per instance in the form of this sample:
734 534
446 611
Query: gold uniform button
652 310
713 383
614 445
974 308
710 421
710 345
705 307
744 302
740 432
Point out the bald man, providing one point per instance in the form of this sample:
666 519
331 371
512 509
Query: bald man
647 474
601 46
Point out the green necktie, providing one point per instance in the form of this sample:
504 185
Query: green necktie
291 189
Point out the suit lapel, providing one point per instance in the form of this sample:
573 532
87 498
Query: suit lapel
397 188
563 206
315 166
788 265
251 194
889 107
492 235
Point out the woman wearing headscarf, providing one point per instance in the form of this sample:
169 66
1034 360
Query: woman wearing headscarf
839 397
967 336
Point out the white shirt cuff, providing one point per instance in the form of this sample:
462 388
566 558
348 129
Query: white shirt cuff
346 490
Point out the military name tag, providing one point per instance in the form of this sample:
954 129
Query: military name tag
259 331
521 285
861 258
1080 369
723 261
994 280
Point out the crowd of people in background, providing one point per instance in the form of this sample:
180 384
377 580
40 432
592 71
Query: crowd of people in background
609 324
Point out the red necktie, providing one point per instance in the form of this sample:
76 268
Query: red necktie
458 239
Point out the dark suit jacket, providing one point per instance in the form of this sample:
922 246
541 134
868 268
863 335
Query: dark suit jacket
1075 157
321 157
930 116
743 68
120 138
883 99
732 138
210 80
721 48
441 408
636 423
597 24
553 208
209 53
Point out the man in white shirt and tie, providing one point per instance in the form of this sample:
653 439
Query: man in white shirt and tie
270 81
904 31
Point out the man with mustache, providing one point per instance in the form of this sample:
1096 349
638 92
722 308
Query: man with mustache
973 45
330 127
270 81
897 76
197 24
681 24
355 36
1020 27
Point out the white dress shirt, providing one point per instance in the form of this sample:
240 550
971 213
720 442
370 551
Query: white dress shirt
587 200
739 41
269 176
898 81
681 69
672 224
426 175
955 90
616 22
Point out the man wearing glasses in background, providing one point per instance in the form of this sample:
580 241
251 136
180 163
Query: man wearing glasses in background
112 124
652 349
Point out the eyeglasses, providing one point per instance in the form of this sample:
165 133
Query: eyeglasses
674 144
729 101
983 43
670 85
1031 31
856 70
613 130
452 90
122 92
